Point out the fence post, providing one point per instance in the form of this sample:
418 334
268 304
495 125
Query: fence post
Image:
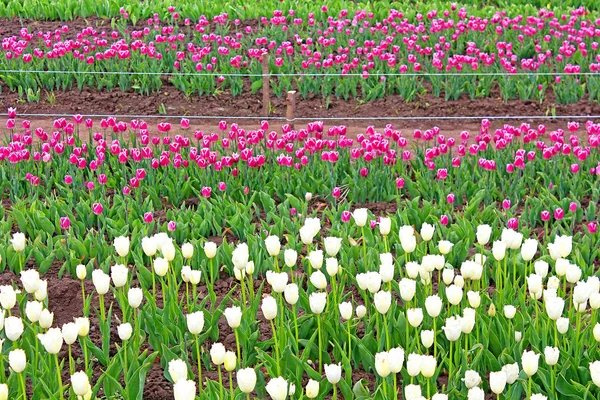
265 86
291 108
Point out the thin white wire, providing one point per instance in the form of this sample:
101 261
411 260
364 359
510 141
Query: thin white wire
400 118
315 74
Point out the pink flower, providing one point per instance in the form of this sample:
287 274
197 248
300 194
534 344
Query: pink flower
102 179
592 227
506 204
126 190
573 206
346 216
12 112
222 186
65 223
148 217
373 224
293 211
336 192
185 123
444 220
364 172
68 179
575 168
206 191
545 215
513 223
450 198
90 185
399 183
171 226
559 213
97 208
222 125
442 174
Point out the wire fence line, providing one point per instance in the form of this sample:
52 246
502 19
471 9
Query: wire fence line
342 118
308 74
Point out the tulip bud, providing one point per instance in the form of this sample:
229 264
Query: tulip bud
46 319
360 216
269 308
595 372
317 301
318 280
428 364
30 280
217 353
273 245
33 310
433 305
187 250
562 325
121 245
230 361
81 272
291 293
312 389
414 316
509 311
178 370
290 257
345 310
184 390
70 331
83 326
383 301
385 226
101 281
124 331
551 355
529 360
315 258
361 311
13 328
497 382
149 246
80 384
471 379
413 364
233 316
427 231
135 297
333 372
246 379
17 360
3 391
427 338
195 322
18 242
382 365
161 266
118 274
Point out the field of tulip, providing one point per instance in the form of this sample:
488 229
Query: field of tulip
340 50
147 258
146 261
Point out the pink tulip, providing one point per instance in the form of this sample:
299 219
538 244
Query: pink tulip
185 123
206 191
336 192
90 185
442 174
373 224
573 206
148 217
399 183
171 226
126 190
222 186
364 172
506 204
545 215
574 168
68 179
97 208
559 213
293 211
450 198
346 216
65 223
513 223
444 220
592 227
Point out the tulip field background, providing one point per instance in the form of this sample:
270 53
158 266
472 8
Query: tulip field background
423 226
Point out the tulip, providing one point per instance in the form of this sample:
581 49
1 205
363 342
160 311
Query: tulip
475 393
135 297
427 231
210 249
538 396
414 316
278 281
498 382
361 311
413 364
483 234
118 274
318 280
382 365
246 380
332 245
18 242
184 390
291 293
333 373
427 338
42 293
315 258
81 272
80 384
360 216
277 388
187 251
230 361
385 226
445 246
33 310
273 245
30 280
17 360
13 328
124 330
413 392
407 289
345 310
290 257
471 379
161 266
529 360
595 372
121 245
312 389
149 246
509 311
101 281
46 319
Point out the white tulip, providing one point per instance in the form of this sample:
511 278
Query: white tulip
118 274
277 388
291 293
428 364
17 359
125 330
312 389
427 231
382 365
121 245
149 246
233 316
18 242
217 353
52 340
383 301
317 301
433 305
161 266
290 257
408 288
187 250
184 389
445 246
269 308
70 332
80 383
529 361
246 379
195 322
333 373
318 280
345 310
396 359
210 249
385 226
483 234
360 216
497 382
471 379
332 245
30 280
332 266
499 250
315 258
273 245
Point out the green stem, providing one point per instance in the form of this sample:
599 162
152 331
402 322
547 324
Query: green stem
387 333
59 377
529 388
237 344
276 347
221 391
319 337
334 392
22 382
71 367
231 385
85 310
349 342
85 355
296 328
199 359
102 310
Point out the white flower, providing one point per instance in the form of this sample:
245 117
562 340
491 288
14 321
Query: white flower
427 231
317 301
360 216
528 249
121 245
291 293
277 388
332 245
233 316
312 389
408 289
273 245
246 379
345 310
497 381
184 389
210 250
290 257
149 246
483 234
551 355
80 384
52 340
452 328
239 256
18 242
471 379
529 360
118 274
161 266
433 305
428 365
510 311
125 330
101 281
217 353
475 393
414 316
445 246
315 258
30 280
187 250
385 226
512 372
499 250
17 359
595 372
195 322
382 365
396 359
269 307
178 370
333 372
383 301
318 280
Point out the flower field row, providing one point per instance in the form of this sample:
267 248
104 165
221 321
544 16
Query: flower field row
519 52
242 262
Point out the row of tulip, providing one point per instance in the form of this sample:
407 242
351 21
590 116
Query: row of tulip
359 51
410 308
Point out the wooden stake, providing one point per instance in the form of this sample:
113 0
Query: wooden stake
265 87
291 108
